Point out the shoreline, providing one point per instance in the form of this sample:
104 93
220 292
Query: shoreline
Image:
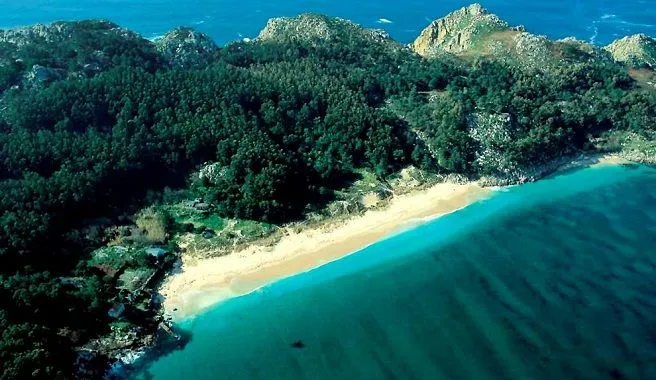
201 284
204 283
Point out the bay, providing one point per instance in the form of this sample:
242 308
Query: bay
550 280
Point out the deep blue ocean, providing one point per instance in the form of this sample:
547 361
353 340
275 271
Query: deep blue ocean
550 280
598 21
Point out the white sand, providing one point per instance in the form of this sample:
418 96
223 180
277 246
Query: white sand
204 283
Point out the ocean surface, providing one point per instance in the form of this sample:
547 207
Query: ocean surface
598 21
550 280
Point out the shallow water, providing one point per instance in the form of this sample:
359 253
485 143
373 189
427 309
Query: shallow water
552 280
598 21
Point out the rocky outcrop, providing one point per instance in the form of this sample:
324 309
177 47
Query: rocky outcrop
186 48
473 32
638 51
39 76
55 32
493 133
65 50
532 49
310 27
458 31
213 173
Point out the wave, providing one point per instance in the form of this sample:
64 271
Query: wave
384 21
627 23
595 34
614 19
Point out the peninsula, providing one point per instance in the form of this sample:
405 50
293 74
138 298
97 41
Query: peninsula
124 161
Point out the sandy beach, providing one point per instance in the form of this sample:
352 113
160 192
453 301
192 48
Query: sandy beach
201 284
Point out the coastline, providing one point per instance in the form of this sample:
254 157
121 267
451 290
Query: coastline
201 284
207 282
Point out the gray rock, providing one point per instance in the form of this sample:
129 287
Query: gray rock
40 76
186 48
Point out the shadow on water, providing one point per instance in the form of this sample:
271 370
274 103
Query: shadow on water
167 343
588 162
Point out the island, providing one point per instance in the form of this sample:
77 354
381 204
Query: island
124 161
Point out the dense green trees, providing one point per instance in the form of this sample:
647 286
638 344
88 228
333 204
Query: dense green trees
285 124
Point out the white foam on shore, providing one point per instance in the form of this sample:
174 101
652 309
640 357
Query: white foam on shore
614 19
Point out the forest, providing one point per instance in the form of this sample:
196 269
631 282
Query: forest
286 123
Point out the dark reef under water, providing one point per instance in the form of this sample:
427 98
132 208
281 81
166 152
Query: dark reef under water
553 280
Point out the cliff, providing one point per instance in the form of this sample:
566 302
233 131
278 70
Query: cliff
473 32
637 51
457 32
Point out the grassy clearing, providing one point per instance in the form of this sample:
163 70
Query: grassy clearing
116 257
204 233
646 78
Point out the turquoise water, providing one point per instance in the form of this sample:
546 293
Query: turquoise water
552 280
598 21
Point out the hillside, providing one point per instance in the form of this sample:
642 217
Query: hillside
637 51
38 55
186 48
109 171
459 31
315 27
474 32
